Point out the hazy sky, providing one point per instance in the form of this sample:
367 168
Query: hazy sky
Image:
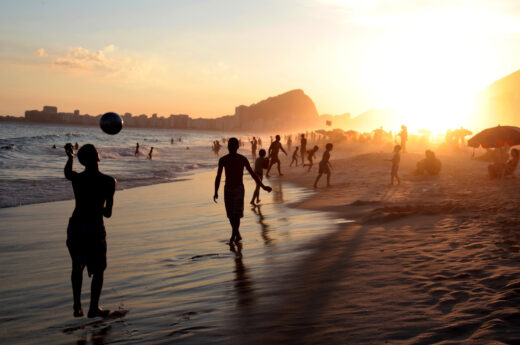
206 57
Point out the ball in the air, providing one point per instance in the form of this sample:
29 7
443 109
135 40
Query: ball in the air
111 123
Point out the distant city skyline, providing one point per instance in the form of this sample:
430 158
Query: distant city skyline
203 58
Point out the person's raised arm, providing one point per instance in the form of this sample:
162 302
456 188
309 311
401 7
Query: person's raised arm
68 166
256 178
109 202
217 179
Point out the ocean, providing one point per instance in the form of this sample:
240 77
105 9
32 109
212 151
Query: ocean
31 171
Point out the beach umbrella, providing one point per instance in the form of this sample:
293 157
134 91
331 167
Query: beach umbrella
496 137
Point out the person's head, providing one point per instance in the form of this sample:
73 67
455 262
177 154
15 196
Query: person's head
232 145
328 147
277 137
303 136
315 148
429 154
88 156
262 153
397 148
296 149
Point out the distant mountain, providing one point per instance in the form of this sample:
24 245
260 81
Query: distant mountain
290 110
499 103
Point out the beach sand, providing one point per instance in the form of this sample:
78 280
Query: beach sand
432 261
170 274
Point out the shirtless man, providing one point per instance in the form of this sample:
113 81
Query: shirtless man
94 194
275 147
303 148
234 165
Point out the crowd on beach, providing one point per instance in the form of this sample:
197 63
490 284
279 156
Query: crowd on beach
94 190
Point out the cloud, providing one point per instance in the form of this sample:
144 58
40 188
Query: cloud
105 61
41 52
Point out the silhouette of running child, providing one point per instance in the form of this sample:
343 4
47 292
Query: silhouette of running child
294 157
396 158
261 163
310 157
324 166
86 236
234 164
275 147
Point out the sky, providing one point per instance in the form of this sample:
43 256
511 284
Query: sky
203 58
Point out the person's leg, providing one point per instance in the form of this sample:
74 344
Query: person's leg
328 179
316 181
256 194
279 170
269 168
235 226
397 177
76 278
95 293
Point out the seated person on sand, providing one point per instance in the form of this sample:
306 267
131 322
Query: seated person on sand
498 168
430 164
508 168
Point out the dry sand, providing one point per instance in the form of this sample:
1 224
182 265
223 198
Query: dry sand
432 261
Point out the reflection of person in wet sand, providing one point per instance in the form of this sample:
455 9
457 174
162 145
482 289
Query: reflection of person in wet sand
310 157
94 193
243 284
396 158
265 227
261 163
136 149
234 165
275 147
324 166
294 157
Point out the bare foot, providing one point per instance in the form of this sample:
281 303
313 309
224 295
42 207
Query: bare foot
252 202
315 186
98 312
78 312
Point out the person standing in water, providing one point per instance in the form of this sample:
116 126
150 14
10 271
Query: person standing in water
254 145
136 149
86 236
275 147
261 163
325 166
150 153
303 148
234 165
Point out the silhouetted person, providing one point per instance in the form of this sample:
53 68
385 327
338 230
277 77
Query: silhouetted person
136 149
261 163
289 143
172 141
430 164
396 158
150 154
294 157
310 157
274 149
234 165
324 166
180 139
303 148
254 145
76 146
86 236
404 137
54 146
501 167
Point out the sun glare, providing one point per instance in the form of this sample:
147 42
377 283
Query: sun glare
429 78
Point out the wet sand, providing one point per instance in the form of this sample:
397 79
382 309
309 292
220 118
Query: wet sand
433 261
170 273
